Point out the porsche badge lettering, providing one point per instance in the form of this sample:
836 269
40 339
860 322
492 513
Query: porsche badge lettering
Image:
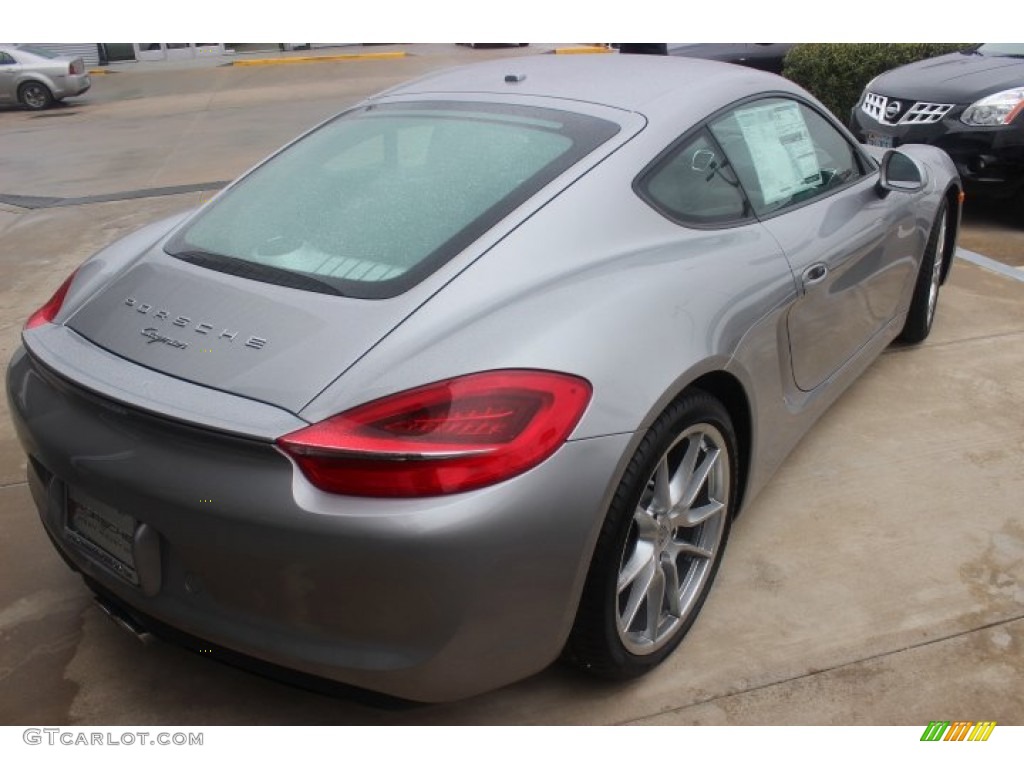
181 321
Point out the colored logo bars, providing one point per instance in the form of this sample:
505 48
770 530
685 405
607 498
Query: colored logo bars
959 730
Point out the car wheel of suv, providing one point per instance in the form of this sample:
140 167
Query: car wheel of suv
35 95
661 542
929 279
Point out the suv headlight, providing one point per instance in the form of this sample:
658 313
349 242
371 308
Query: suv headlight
997 109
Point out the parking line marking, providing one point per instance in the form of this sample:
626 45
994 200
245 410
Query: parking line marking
576 49
990 264
310 59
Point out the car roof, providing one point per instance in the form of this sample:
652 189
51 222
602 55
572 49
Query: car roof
645 84
17 49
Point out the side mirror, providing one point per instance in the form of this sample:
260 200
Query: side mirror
702 160
899 172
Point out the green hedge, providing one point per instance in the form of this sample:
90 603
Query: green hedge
837 72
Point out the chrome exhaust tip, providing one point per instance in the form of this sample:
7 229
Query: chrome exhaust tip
124 620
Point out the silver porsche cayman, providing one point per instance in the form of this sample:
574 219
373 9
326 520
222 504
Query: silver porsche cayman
477 373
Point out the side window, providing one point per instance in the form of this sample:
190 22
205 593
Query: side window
6 58
784 152
695 184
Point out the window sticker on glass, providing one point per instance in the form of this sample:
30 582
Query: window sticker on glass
781 148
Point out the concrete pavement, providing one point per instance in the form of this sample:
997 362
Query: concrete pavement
996 230
879 579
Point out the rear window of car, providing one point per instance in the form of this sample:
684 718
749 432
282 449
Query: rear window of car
36 51
372 202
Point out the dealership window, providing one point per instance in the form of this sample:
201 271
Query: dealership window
175 51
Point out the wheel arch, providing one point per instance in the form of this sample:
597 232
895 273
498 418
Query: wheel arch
953 197
729 391
585 642
31 79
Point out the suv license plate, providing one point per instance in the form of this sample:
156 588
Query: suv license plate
877 140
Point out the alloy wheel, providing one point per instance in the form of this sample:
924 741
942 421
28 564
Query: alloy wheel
673 540
936 276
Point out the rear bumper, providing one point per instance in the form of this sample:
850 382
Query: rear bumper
71 85
990 160
429 600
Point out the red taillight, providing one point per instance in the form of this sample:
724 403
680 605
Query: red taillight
76 68
446 437
49 310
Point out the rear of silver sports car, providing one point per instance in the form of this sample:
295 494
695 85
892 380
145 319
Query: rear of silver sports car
218 534
425 543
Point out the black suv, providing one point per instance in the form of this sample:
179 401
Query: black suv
764 56
969 103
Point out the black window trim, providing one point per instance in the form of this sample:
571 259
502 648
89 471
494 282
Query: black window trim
868 166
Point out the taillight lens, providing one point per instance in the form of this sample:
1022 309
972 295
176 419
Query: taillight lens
446 437
49 310
76 68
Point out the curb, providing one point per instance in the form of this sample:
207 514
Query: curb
584 49
308 59
1016 273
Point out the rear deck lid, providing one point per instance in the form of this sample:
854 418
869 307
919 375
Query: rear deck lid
273 344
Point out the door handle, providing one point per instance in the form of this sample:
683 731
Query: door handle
814 274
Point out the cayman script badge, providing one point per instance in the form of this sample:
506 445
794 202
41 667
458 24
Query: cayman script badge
154 335
183 322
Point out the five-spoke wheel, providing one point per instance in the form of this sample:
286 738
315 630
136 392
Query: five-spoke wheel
661 542
937 259
675 534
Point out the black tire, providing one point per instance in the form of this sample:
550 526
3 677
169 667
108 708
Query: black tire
35 96
605 639
921 314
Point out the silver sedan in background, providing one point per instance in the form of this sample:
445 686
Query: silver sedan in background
37 78
476 374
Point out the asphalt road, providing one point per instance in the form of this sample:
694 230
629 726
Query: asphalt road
878 580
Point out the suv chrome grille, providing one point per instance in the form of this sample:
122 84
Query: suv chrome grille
874 105
881 108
